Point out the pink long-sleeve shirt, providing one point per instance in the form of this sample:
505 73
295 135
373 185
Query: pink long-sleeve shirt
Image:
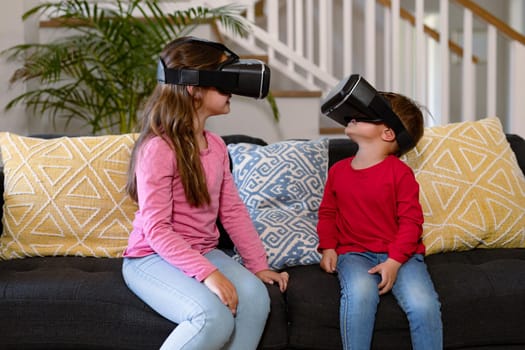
167 225
372 210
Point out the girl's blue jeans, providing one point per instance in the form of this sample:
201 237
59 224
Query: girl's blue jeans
413 290
204 322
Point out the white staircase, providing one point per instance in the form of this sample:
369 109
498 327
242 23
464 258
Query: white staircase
464 72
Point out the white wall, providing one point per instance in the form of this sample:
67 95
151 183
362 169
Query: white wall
248 116
12 32
298 120
295 121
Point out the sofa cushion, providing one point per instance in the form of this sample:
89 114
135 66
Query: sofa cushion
471 187
282 186
482 296
74 301
482 293
313 307
83 303
65 196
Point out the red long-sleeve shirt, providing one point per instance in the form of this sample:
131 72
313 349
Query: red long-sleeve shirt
375 209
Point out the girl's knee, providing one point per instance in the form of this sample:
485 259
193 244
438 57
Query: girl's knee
215 323
255 294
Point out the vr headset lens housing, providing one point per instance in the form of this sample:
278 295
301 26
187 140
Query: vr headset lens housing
245 77
355 98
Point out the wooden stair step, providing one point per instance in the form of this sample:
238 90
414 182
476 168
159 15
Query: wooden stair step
295 93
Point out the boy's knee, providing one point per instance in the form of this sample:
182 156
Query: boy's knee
362 290
432 305
425 308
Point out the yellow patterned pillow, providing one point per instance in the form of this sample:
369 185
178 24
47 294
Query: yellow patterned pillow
65 196
472 189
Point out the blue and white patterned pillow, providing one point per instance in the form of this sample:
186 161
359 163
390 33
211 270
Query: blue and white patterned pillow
282 186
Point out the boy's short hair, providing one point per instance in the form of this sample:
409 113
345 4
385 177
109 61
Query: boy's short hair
410 115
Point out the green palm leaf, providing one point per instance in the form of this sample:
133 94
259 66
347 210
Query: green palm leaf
104 70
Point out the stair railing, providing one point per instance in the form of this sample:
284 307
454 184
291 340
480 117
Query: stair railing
318 42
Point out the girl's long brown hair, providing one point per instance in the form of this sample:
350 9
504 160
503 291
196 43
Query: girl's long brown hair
170 113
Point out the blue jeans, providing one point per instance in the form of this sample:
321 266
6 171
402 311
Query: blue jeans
413 290
203 321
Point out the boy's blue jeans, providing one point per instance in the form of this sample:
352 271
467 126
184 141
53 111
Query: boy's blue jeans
204 322
413 290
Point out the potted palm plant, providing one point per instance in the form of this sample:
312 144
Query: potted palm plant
104 70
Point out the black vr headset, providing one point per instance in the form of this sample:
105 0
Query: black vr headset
245 77
354 98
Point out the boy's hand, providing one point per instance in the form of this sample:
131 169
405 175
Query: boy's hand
329 260
388 271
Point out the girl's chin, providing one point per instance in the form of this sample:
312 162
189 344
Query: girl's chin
226 112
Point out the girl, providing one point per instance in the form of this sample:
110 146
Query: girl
180 177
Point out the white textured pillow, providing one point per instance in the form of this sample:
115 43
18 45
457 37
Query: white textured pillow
282 185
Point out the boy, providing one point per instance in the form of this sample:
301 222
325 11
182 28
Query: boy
370 226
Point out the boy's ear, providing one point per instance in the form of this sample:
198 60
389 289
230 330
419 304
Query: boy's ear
389 135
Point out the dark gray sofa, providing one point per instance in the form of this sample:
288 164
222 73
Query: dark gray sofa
83 303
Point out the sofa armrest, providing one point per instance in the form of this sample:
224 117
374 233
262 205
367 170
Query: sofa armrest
1 199
517 143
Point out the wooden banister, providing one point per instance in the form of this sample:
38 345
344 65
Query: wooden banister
486 16
406 15
61 22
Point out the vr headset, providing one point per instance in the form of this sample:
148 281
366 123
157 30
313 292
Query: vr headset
354 98
245 77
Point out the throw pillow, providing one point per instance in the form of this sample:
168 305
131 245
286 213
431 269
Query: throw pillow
65 196
282 185
472 189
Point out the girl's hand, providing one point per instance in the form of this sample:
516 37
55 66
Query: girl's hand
270 276
329 260
225 290
388 271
